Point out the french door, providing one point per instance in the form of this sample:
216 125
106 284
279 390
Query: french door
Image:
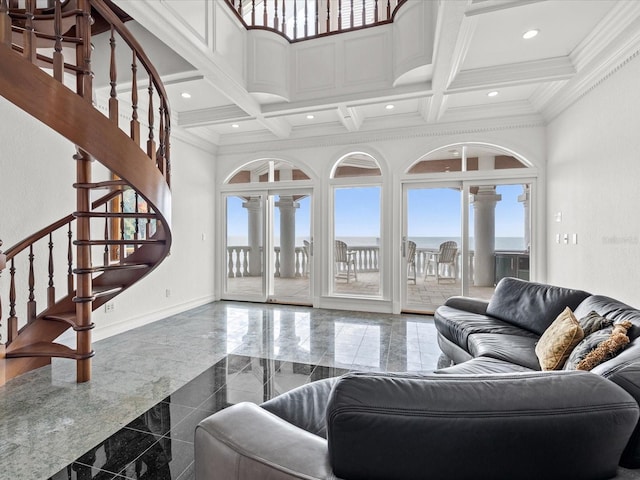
268 246
432 245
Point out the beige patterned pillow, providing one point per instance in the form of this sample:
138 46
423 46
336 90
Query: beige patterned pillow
557 341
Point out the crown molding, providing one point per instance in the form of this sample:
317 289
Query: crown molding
502 109
211 116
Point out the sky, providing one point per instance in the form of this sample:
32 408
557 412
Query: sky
431 212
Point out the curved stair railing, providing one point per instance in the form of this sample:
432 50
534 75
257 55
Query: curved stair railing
109 242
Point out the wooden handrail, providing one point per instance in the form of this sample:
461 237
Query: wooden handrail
381 12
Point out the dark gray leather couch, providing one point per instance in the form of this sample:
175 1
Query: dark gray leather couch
493 415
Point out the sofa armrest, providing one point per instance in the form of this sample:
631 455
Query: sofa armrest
245 441
384 426
468 304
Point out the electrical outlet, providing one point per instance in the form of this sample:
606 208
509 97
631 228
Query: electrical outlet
109 307
167 293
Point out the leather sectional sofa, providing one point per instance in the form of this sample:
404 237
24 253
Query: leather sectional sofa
492 414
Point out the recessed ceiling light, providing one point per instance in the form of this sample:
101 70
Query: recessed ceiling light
235 125
492 94
530 34
310 117
185 95
390 106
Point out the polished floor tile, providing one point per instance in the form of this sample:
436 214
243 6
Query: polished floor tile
152 385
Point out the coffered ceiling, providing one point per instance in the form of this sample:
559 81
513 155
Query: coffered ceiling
477 48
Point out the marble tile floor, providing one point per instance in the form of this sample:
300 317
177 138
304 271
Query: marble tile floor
152 385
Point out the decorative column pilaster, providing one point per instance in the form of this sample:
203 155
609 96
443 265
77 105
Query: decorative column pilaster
525 198
254 207
484 232
287 207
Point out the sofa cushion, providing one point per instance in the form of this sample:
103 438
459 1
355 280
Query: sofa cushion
608 348
532 306
594 322
516 349
456 325
483 366
305 406
557 342
585 346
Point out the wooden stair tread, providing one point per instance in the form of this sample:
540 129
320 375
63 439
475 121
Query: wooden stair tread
70 319
109 184
46 349
110 268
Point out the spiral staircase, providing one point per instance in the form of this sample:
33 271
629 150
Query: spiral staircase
120 229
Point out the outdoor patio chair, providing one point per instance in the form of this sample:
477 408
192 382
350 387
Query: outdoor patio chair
345 261
446 257
411 261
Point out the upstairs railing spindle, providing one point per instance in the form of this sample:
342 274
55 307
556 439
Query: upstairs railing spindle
105 255
265 19
253 12
306 18
375 11
364 13
122 227
51 289
275 14
351 14
160 162
295 19
136 231
5 23
284 17
58 57
339 15
388 8
317 22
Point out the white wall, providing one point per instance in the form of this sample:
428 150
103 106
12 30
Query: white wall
36 176
593 175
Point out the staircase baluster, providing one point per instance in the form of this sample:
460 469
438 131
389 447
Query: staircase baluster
253 12
239 7
84 84
135 124
12 322
3 264
122 227
51 289
151 144
31 304
388 9
70 282
113 76
375 11
105 255
58 58
5 23
29 51
136 232
339 15
161 138
364 13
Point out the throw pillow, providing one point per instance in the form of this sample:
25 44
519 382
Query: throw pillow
594 322
557 341
608 348
583 348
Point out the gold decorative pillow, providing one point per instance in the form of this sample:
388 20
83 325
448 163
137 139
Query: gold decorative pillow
557 341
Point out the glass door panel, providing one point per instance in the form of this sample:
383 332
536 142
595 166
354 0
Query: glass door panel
432 246
292 249
499 231
245 247
356 252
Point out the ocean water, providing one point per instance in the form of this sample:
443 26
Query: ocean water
502 243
